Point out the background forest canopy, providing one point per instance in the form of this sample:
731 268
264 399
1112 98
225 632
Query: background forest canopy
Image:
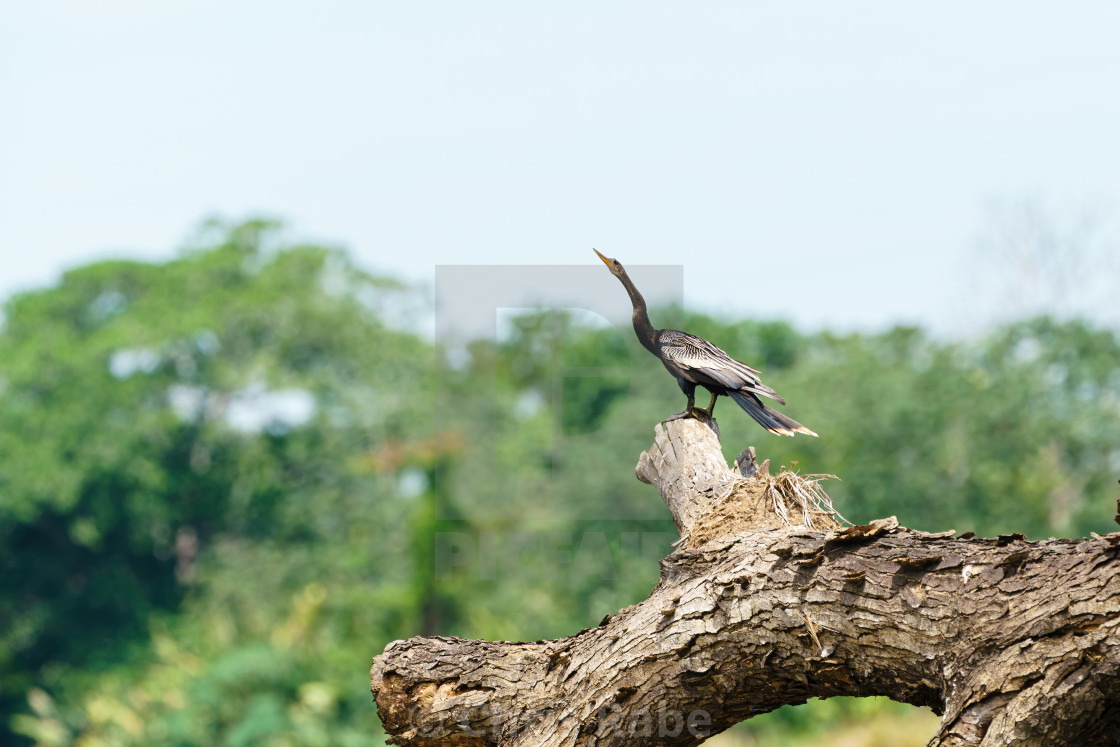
229 479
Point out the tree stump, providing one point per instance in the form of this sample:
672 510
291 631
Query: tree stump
768 600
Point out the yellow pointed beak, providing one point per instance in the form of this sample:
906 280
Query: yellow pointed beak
606 261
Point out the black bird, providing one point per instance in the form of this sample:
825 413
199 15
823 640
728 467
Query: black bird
696 362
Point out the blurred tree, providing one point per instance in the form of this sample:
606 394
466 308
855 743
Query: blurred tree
152 416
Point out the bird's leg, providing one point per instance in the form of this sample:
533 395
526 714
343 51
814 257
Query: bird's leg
712 405
703 415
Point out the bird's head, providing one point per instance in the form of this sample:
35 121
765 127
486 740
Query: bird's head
612 264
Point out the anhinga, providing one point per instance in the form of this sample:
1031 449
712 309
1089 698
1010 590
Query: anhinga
696 362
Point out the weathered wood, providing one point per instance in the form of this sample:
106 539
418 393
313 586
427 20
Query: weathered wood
1014 642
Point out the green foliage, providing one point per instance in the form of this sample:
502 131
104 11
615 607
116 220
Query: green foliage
153 414
226 480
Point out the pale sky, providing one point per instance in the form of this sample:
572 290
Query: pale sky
829 163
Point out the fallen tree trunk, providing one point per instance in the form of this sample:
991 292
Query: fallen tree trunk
1013 642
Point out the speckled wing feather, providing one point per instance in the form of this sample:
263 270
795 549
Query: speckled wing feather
695 354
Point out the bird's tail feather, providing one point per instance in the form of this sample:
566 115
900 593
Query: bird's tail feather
771 420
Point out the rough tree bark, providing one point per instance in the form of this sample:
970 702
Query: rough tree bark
1012 642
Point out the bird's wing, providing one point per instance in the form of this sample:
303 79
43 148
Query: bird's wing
694 353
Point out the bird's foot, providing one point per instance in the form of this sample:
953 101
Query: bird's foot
698 413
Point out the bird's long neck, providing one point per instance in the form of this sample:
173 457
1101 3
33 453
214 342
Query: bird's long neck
642 326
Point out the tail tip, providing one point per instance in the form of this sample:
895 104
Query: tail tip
791 432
